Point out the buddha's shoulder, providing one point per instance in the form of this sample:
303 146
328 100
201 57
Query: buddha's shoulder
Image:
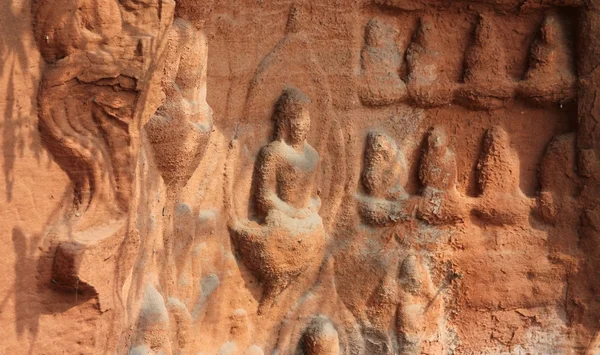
272 150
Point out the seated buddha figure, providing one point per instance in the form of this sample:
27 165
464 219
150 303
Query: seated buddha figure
550 77
501 199
441 203
384 175
381 63
290 235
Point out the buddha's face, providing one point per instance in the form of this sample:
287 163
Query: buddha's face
299 125
376 33
498 136
549 29
382 149
437 139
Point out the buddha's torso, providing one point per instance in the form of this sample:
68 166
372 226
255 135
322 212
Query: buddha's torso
295 173
381 61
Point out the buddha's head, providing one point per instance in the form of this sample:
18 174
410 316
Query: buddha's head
380 148
377 33
437 139
194 11
550 29
292 116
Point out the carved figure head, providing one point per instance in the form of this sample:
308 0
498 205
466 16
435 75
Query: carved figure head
437 140
292 116
550 29
499 163
194 11
380 148
423 33
496 137
377 33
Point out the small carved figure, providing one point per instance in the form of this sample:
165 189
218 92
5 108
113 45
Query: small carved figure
558 200
502 201
381 63
383 178
559 182
290 237
486 82
418 311
320 338
180 129
152 333
441 202
426 82
407 293
550 76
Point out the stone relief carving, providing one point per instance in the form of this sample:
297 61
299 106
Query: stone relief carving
498 180
383 178
550 76
335 238
89 118
426 83
486 81
438 172
380 64
290 236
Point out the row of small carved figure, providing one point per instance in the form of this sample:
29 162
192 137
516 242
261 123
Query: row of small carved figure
550 77
384 176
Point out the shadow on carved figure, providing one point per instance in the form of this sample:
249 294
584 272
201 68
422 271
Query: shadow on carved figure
441 202
427 84
88 119
502 201
290 236
381 63
486 81
550 76
383 178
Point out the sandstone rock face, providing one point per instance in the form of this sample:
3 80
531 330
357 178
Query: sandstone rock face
300 177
